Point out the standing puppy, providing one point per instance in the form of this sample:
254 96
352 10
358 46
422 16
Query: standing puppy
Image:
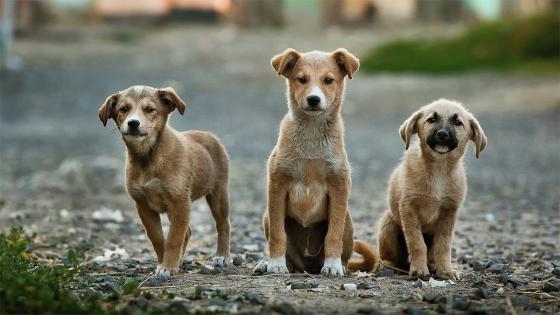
167 170
427 189
307 222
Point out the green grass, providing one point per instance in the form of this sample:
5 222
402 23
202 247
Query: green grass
517 44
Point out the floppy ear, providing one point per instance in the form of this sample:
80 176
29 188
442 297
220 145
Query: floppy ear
478 136
169 97
409 127
346 61
284 62
107 110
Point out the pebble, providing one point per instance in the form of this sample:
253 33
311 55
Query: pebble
301 285
385 272
253 257
215 301
556 271
238 260
418 284
365 286
550 287
461 303
415 311
477 265
520 300
178 306
255 298
284 308
482 293
349 287
368 310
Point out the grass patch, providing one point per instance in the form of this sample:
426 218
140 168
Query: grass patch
517 44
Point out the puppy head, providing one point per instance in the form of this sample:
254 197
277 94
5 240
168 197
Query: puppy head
315 79
140 112
444 127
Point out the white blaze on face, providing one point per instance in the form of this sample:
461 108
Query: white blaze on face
316 91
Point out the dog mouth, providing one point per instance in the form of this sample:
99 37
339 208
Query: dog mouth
135 135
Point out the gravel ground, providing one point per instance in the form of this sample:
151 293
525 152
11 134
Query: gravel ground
61 172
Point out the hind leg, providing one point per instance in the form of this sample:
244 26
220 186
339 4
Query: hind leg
390 240
219 205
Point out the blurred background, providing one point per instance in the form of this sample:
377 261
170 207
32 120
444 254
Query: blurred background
62 58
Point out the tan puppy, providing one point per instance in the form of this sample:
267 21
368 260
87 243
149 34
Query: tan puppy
307 222
167 170
427 189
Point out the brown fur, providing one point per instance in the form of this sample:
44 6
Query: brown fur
307 222
167 170
425 192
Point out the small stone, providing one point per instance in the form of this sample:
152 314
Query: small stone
464 259
253 257
461 303
477 265
178 306
556 271
255 298
533 307
385 272
482 293
433 298
415 311
238 260
349 287
478 309
520 300
217 302
418 284
550 287
498 268
284 308
368 310
365 286
308 284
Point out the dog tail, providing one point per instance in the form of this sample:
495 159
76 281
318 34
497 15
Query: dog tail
370 258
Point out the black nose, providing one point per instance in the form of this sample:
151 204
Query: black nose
133 123
442 135
313 100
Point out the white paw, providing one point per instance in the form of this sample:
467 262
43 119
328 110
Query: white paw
332 267
220 261
163 272
277 265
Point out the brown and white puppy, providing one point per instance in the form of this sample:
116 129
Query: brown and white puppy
307 223
167 170
427 189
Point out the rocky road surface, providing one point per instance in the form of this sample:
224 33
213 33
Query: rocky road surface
61 172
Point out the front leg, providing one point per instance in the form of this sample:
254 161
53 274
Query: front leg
415 244
443 239
338 190
152 224
277 240
178 214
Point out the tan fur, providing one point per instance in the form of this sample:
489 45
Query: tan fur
425 192
307 218
167 170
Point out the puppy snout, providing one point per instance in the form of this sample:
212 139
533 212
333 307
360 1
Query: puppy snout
133 124
442 135
313 100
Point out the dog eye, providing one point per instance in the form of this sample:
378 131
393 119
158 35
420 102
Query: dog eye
302 80
328 80
124 110
432 120
458 123
149 109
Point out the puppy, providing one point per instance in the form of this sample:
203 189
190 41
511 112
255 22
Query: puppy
307 223
167 170
427 189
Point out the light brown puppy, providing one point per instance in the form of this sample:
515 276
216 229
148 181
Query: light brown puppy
167 170
427 189
307 222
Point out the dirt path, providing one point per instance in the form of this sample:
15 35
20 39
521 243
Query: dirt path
59 166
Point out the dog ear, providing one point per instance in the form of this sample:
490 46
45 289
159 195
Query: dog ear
107 109
346 61
284 62
478 136
169 97
409 127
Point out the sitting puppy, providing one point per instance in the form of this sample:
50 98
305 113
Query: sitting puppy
167 170
307 223
427 189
